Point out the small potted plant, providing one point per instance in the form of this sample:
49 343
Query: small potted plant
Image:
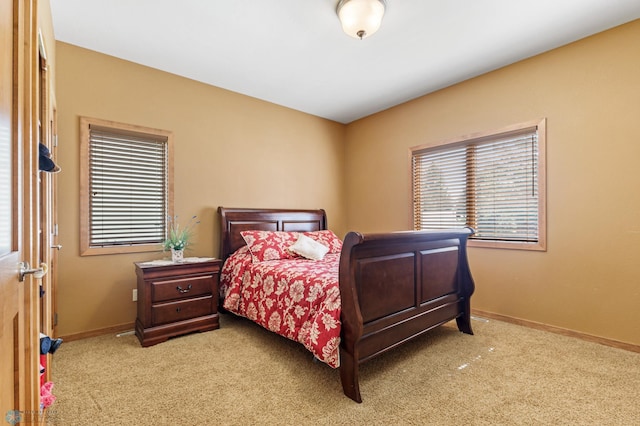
178 238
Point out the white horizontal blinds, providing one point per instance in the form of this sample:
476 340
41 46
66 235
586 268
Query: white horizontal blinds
6 192
489 184
128 187
440 181
506 189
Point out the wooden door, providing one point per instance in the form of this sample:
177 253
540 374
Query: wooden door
47 194
11 295
19 390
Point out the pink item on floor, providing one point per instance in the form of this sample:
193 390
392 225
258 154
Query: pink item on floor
46 397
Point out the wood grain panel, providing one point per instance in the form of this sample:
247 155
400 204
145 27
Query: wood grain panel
388 285
439 272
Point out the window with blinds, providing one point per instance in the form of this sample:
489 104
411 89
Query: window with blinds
493 183
127 190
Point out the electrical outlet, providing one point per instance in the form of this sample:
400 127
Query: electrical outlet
135 295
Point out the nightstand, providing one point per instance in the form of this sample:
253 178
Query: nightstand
176 298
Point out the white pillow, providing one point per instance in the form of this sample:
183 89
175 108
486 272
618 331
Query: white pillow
309 248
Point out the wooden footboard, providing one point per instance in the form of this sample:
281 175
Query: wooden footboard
394 287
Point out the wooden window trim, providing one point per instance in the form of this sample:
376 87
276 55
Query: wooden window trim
540 125
85 123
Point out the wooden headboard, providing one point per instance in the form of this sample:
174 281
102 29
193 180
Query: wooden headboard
235 220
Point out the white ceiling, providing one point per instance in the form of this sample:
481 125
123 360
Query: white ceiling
294 53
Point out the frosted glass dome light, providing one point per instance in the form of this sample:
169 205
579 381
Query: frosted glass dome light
360 18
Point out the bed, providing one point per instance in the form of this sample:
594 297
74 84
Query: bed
390 287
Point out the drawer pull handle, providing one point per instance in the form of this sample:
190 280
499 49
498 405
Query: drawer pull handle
178 309
184 290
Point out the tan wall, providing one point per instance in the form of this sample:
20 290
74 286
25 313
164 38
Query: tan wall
589 92
230 150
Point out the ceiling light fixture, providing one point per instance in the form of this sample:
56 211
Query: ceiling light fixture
360 18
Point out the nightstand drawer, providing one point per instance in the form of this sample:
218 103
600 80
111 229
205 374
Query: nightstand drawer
177 311
179 289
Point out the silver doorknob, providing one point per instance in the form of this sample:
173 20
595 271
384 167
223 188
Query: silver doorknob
57 246
24 269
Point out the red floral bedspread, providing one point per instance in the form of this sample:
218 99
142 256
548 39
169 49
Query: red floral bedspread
298 299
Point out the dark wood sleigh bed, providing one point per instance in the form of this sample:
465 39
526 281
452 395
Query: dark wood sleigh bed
393 286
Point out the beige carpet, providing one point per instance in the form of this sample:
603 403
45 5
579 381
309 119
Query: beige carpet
243 375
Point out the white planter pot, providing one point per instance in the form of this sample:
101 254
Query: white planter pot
177 256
